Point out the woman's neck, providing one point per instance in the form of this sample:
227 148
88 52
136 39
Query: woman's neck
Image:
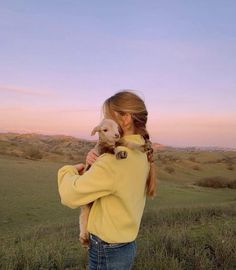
128 131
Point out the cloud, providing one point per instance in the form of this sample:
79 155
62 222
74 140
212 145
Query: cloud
24 91
79 110
47 109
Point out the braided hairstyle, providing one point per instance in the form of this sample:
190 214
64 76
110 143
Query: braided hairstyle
128 102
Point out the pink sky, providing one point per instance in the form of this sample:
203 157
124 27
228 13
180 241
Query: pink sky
177 129
61 59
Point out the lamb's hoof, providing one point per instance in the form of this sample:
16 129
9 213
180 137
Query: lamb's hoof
143 148
121 155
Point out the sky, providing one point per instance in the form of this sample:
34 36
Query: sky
60 59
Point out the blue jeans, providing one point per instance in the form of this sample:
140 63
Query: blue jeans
105 256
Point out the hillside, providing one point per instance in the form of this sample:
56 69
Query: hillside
185 227
49 147
187 165
39 146
181 228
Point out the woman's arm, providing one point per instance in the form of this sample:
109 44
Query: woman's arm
76 190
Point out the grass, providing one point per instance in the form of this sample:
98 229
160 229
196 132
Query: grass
180 238
28 194
183 227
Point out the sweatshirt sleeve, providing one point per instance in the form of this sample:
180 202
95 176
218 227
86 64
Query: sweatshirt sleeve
76 190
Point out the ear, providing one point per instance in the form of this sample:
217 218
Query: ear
96 129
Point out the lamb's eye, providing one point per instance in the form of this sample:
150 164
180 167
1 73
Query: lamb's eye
105 130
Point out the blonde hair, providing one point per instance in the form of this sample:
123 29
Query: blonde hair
127 101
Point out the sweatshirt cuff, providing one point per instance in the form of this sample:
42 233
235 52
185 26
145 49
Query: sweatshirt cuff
68 169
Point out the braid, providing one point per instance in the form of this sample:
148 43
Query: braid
127 101
149 149
148 144
140 128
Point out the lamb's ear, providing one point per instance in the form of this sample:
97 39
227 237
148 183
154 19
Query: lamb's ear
96 129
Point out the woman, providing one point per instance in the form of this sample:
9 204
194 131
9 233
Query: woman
118 188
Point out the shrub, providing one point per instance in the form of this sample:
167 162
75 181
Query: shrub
230 167
70 156
196 167
213 182
57 151
169 169
32 152
232 184
193 159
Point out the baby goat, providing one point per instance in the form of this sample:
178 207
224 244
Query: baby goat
109 140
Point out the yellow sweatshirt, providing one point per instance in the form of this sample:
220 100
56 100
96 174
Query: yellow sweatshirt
117 188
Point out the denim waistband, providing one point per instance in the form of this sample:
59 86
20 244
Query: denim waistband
96 238
99 240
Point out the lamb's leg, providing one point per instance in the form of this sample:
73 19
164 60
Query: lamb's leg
120 154
84 214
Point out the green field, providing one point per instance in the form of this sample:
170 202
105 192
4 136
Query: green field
184 227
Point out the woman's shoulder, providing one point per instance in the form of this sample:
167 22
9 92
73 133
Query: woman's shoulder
106 157
110 160
106 163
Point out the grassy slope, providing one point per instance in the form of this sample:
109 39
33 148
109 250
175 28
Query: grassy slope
30 208
28 194
207 163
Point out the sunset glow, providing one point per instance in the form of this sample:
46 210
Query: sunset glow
61 60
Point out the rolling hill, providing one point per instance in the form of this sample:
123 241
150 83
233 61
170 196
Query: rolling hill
39 146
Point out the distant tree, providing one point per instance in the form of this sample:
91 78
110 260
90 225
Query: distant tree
32 152
193 159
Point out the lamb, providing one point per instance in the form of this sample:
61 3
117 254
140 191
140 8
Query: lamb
109 140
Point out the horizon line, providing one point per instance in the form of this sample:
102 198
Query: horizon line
83 138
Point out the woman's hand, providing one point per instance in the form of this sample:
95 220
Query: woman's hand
79 167
91 156
90 159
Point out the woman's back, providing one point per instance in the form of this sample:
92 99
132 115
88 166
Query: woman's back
116 217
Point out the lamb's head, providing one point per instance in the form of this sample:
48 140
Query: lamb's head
108 131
